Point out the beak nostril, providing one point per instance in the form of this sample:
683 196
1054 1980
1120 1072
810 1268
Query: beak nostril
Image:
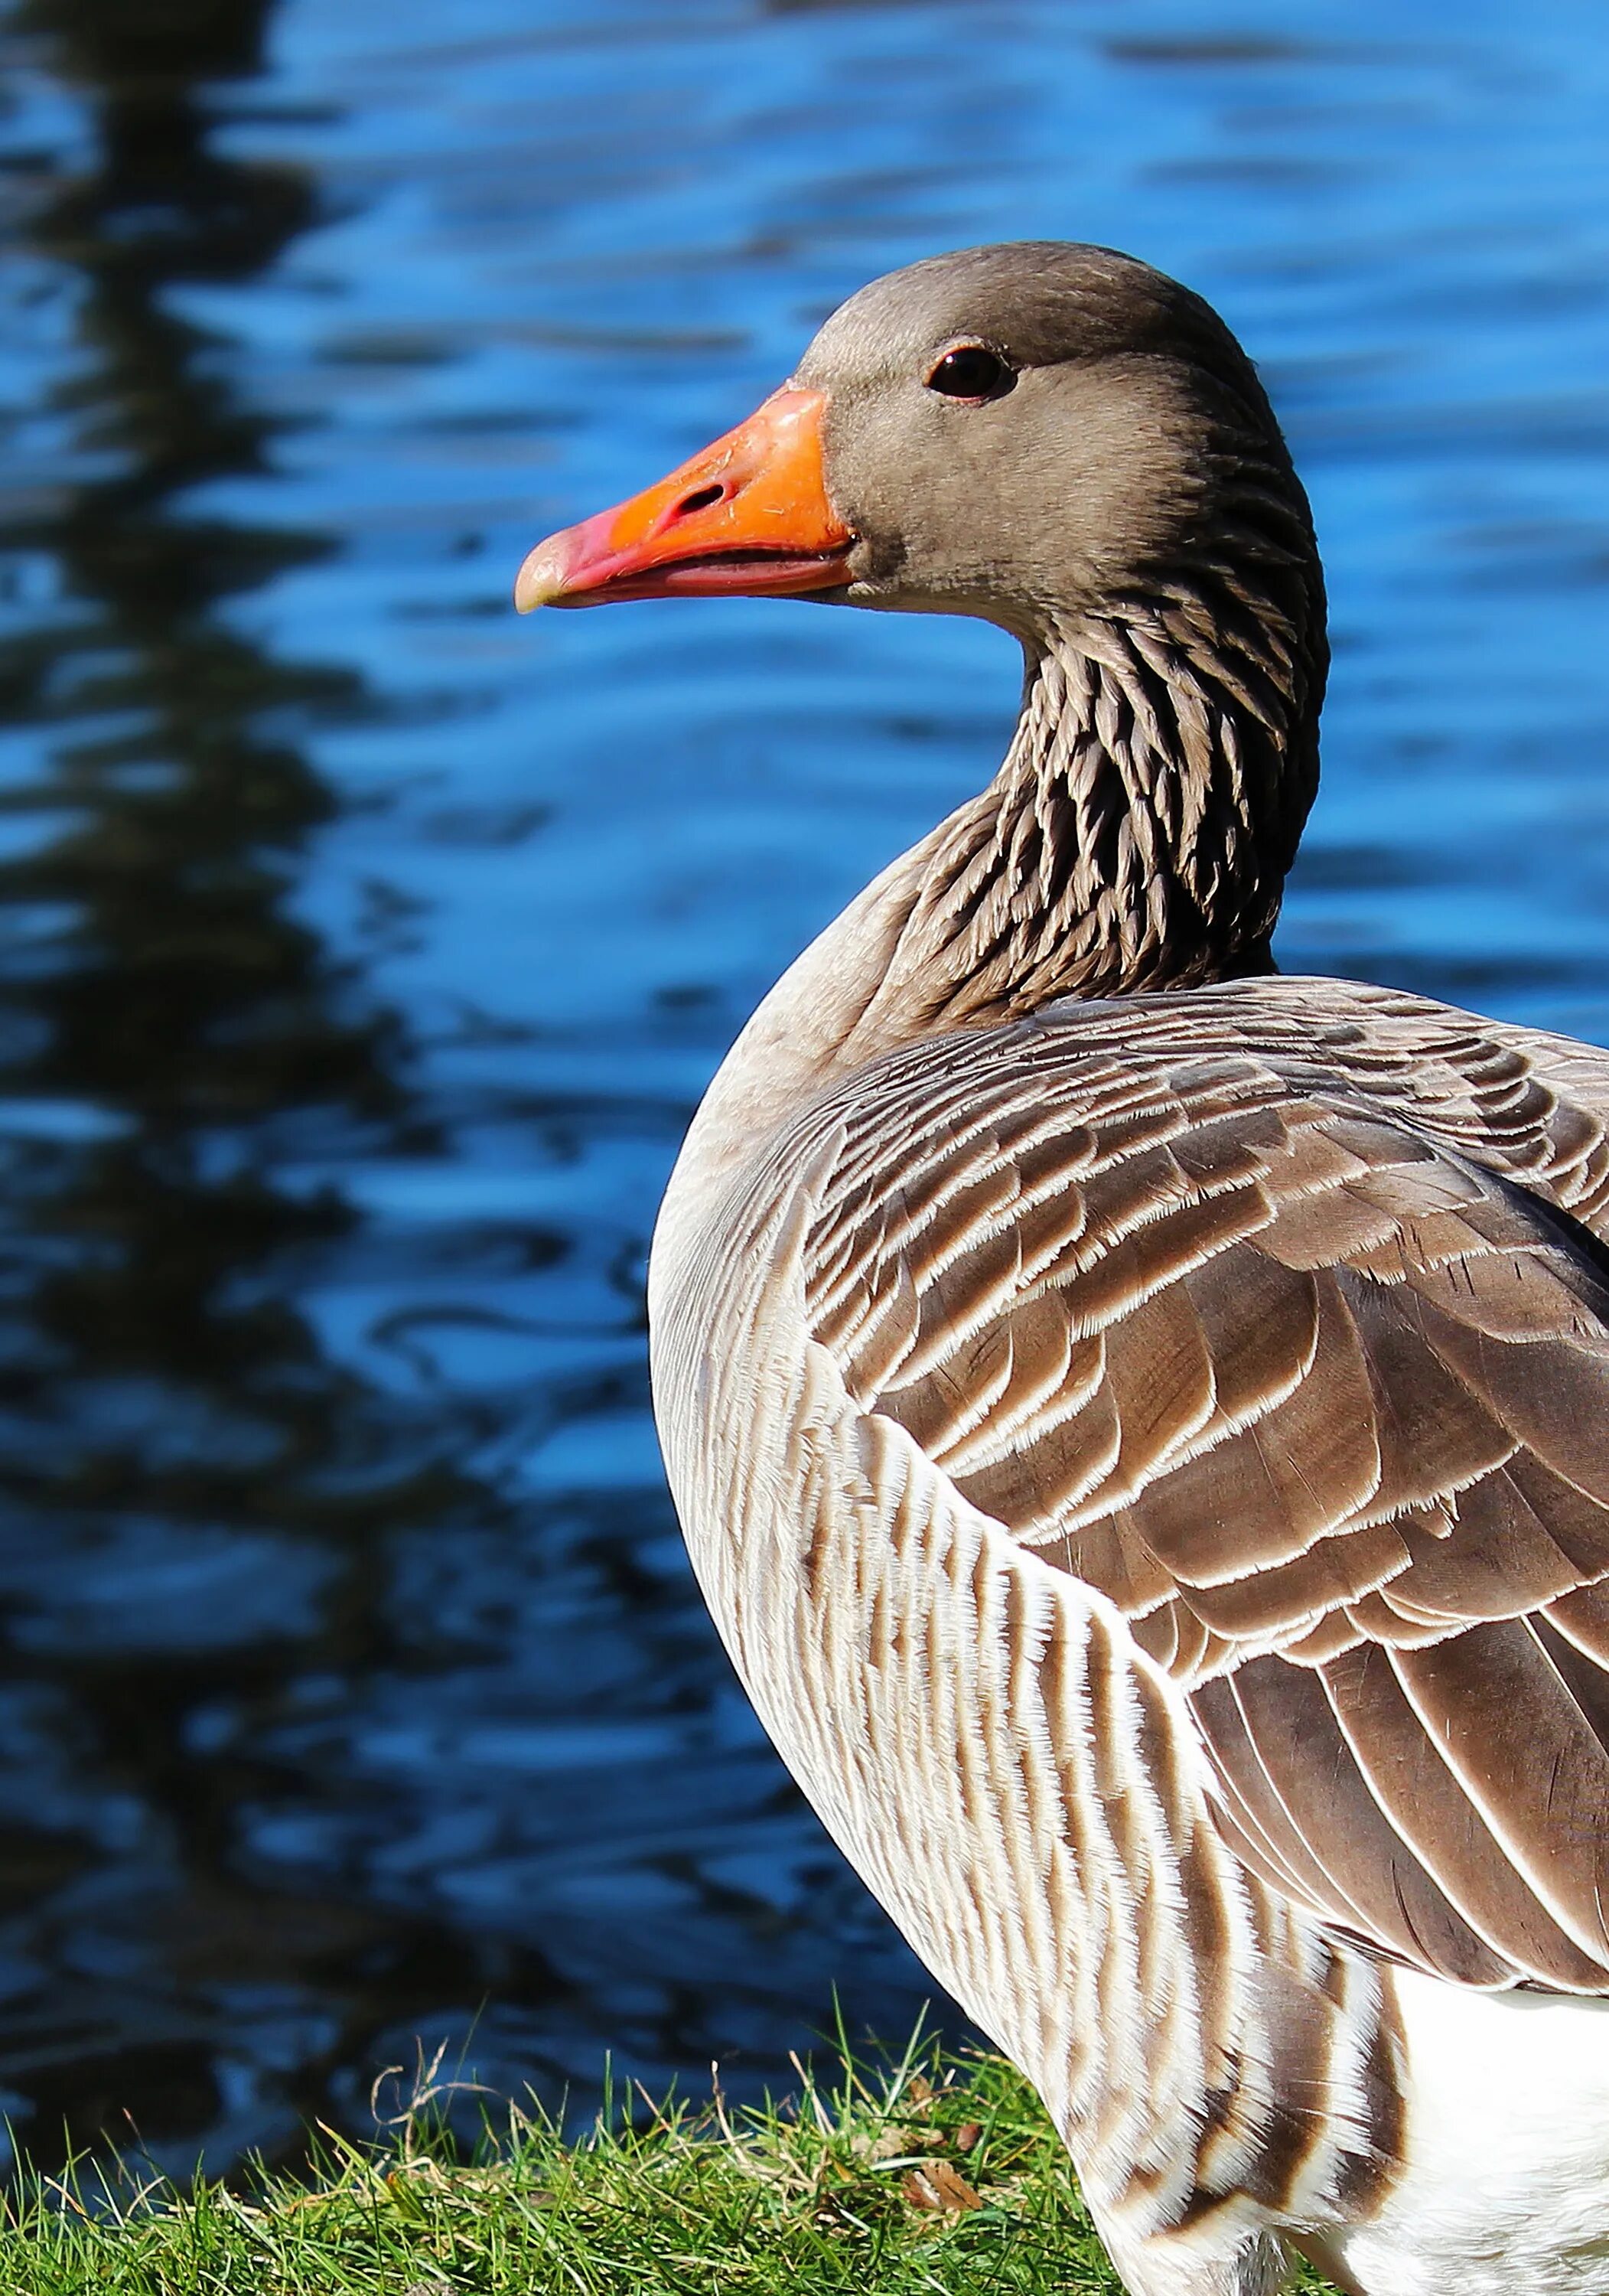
701 498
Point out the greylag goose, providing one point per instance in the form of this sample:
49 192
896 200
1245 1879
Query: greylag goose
1142 1424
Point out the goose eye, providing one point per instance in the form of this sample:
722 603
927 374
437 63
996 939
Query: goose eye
971 372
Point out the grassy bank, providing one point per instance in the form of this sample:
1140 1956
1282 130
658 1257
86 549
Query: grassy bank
925 2177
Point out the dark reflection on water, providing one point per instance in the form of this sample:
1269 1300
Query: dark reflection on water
191 1490
365 953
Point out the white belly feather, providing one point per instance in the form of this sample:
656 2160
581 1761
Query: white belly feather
1506 2187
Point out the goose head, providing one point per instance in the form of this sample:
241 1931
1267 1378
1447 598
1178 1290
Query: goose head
1059 440
1034 434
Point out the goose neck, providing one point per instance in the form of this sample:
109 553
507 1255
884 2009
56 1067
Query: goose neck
1136 836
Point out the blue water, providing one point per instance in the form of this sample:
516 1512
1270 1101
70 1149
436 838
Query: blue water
366 949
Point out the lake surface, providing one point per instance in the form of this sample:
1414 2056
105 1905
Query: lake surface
365 949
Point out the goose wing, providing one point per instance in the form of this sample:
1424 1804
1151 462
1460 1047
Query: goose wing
1274 1313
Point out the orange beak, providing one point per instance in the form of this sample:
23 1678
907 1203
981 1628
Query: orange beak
749 517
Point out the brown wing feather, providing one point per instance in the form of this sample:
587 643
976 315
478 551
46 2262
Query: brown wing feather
1271 1313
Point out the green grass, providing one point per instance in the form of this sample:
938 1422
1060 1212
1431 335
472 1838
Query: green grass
926 2175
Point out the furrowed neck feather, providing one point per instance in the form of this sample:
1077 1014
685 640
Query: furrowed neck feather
1136 836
